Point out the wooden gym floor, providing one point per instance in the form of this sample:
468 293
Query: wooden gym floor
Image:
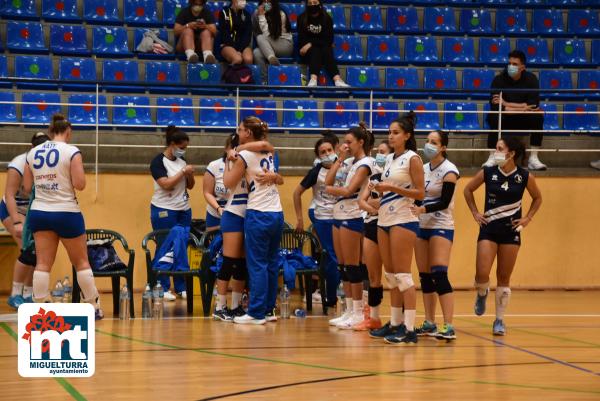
551 352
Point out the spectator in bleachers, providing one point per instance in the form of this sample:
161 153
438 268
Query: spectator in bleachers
195 31
273 33
315 40
520 110
235 28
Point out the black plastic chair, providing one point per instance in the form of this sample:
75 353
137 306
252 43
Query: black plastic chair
207 276
115 275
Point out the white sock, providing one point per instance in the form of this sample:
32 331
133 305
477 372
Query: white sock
17 289
397 317
221 301
482 288
236 299
189 53
409 319
85 278
357 307
27 292
41 281
206 53
502 298
348 304
374 312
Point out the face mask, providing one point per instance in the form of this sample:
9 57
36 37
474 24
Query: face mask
268 7
329 159
196 9
500 158
430 151
512 70
314 9
179 153
380 159
241 4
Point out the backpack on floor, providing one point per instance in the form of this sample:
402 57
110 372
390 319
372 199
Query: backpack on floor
238 74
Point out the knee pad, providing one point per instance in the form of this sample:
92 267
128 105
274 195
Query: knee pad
343 275
375 296
226 268
391 278
427 285
405 281
240 271
364 271
354 274
27 257
442 284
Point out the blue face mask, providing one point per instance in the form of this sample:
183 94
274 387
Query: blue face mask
179 153
430 151
380 159
512 70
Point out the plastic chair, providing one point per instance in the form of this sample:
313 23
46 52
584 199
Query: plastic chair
383 49
366 18
338 14
284 75
383 114
348 48
105 12
583 22
401 78
476 21
160 72
457 119
141 13
580 121
511 21
40 112
536 50
25 37
68 40
439 78
402 19
547 21
252 107
110 42
569 51
438 19
175 114
8 112
23 9
494 50
86 115
214 115
302 116
171 9
458 50
363 77
420 49
60 11
131 115
427 115
336 115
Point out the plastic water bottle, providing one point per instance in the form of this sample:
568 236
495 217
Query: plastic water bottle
284 304
124 303
68 290
157 302
341 300
147 303
300 313
57 292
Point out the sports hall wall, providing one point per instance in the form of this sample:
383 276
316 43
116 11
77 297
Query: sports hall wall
559 248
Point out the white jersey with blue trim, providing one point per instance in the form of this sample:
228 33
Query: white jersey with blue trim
395 208
434 180
237 200
216 168
50 164
375 177
18 164
261 197
347 208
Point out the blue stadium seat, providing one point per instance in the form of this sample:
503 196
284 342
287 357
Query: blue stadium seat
256 73
438 19
494 50
131 114
383 49
511 21
36 68
214 115
583 22
22 9
159 72
536 50
569 51
383 114
439 78
420 49
120 70
550 118
105 12
366 18
60 11
301 116
589 79
68 40
458 50
555 79
461 116
546 21
86 115
284 75
427 115
293 10
40 112
171 9
596 51
530 2
174 114
24 37
216 6
77 69
348 48
580 121
141 13
564 2
337 116
401 78
363 77
138 35
110 42
337 13
477 79
257 108
3 67
402 19
476 21
8 112
203 74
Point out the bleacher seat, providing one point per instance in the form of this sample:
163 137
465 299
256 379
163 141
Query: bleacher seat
427 115
583 22
171 9
511 21
596 51
8 112
363 77
564 2
530 2
476 21
460 116
550 117
141 13
110 42
138 35
21 9
302 115
402 19
383 114
284 75
60 11
105 12
120 70
77 69
256 107
477 78
3 67
213 114
555 79
338 15
401 78
439 78
383 49
36 68
536 50
580 121
39 112
589 79
494 50
176 113
215 7
131 114
366 18
340 114
439 19
256 73
68 40
546 21
86 115
159 72
569 51
420 49
25 37
458 50
348 48
203 74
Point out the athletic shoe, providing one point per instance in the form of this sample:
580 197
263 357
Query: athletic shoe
210 59
270 316
239 311
183 294
14 301
489 162
99 314
534 164
346 315
341 84
499 328
387 330
480 303
247 319
447 333
274 60
409 337
169 296
427 329
595 164
368 324
312 83
193 58
316 297
347 324
223 315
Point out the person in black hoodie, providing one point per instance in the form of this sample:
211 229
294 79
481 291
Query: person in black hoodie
315 39
235 29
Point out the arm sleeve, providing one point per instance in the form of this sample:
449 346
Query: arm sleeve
246 33
444 202
263 25
328 30
494 91
157 168
311 177
533 97
302 37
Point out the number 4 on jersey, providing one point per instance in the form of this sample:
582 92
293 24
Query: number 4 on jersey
504 186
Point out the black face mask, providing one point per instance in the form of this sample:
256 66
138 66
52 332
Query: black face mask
314 9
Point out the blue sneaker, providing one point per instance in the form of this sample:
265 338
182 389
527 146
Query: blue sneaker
447 333
409 337
427 329
15 301
28 300
388 330
480 303
499 328
99 315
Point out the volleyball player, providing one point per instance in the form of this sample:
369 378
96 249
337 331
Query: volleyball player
501 223
214 191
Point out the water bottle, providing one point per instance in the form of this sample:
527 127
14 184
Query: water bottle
284 304
147 303
341 300
124 303
57 292
68 290
157 302
300 313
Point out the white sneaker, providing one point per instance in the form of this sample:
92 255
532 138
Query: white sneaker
348 324
335 321
169 296
535 164
341 84
183 294
489 162
312 83
316 297
595 164
247 319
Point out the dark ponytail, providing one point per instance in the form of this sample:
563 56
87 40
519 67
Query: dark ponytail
514 144
38 138
361 132
175 135
407 122
58 125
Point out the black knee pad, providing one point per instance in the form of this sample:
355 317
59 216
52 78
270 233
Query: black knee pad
442 284
240 272
27 257
226 268
364 272
375 296
427 284
354 274
342 270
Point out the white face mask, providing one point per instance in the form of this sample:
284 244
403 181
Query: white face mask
179 153
500 158
241 4
430 151
329 159
512 70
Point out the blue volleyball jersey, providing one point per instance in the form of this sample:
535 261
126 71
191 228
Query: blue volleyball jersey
503 196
